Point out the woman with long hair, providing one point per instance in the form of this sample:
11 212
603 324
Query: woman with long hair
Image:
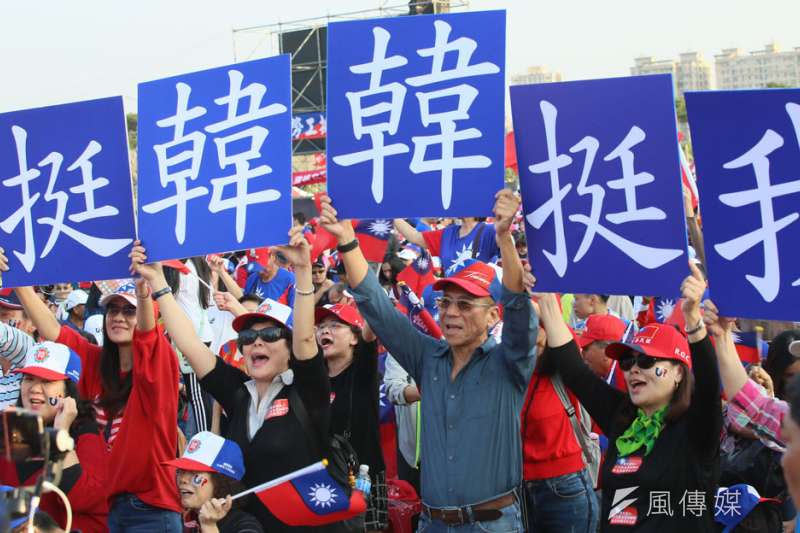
132 382
662 465
284 366
351 351
49 388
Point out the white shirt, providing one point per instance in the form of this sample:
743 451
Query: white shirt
190 303
257 412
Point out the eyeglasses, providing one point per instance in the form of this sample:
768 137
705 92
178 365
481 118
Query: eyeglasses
465 306
641 360
270 334
127 311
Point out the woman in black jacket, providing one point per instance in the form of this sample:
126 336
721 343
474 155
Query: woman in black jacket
662 465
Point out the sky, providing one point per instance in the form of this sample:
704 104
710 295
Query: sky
63 51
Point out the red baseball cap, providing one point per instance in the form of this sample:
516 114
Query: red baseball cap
656 340
601 328
477 278
346 313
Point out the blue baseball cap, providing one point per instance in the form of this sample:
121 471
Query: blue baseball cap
208 452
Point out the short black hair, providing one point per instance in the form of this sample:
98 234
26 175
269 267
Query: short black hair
793 398
251 297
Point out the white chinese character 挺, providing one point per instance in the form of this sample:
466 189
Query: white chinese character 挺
465 95
364 116
646 256
767 285
242 198
660 504
693 502
193 153
100 246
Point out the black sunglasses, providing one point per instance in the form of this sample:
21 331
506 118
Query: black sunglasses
270 334
641 360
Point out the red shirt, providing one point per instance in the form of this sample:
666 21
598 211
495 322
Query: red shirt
86 494
148 434
549 445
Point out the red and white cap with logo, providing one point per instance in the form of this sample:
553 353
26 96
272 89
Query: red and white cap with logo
269 308
207 452
51 361
656 340
346 313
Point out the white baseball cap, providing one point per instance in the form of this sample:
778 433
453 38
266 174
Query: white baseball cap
76 298
269 308
794 348
207 452
51 361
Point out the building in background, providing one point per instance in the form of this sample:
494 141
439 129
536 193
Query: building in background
690 72
537 74
738 70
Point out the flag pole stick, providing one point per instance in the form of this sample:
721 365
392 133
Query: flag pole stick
288 477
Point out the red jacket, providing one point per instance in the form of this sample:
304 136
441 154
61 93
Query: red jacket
83 484
148 435
549 445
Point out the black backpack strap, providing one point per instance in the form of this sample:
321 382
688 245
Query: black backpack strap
476 242
301 413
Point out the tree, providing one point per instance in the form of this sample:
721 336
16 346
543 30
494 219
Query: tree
133 120
680 109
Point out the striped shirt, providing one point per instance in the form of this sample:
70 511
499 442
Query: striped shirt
14 344
110 434
753 409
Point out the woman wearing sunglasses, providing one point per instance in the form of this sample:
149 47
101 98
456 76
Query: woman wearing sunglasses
132 381
662 464
283 362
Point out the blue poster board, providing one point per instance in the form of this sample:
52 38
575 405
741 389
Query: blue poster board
66 205
215 169
601 185
747 154
415 109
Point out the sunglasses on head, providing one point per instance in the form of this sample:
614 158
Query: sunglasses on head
641 360
270 334
127 311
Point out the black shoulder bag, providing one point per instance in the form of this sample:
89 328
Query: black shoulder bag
342 459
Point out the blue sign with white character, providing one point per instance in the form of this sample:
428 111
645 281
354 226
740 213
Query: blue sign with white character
415 109
215 160
747 153
66 205
601 185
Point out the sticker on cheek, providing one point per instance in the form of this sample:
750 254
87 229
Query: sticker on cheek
199 480
661 372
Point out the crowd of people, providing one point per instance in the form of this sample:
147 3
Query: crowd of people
514 410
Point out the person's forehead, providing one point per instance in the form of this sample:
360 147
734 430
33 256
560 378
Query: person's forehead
454 291
264 323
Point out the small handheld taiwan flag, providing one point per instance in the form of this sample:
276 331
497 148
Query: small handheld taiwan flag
373 237
418 274
309 497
